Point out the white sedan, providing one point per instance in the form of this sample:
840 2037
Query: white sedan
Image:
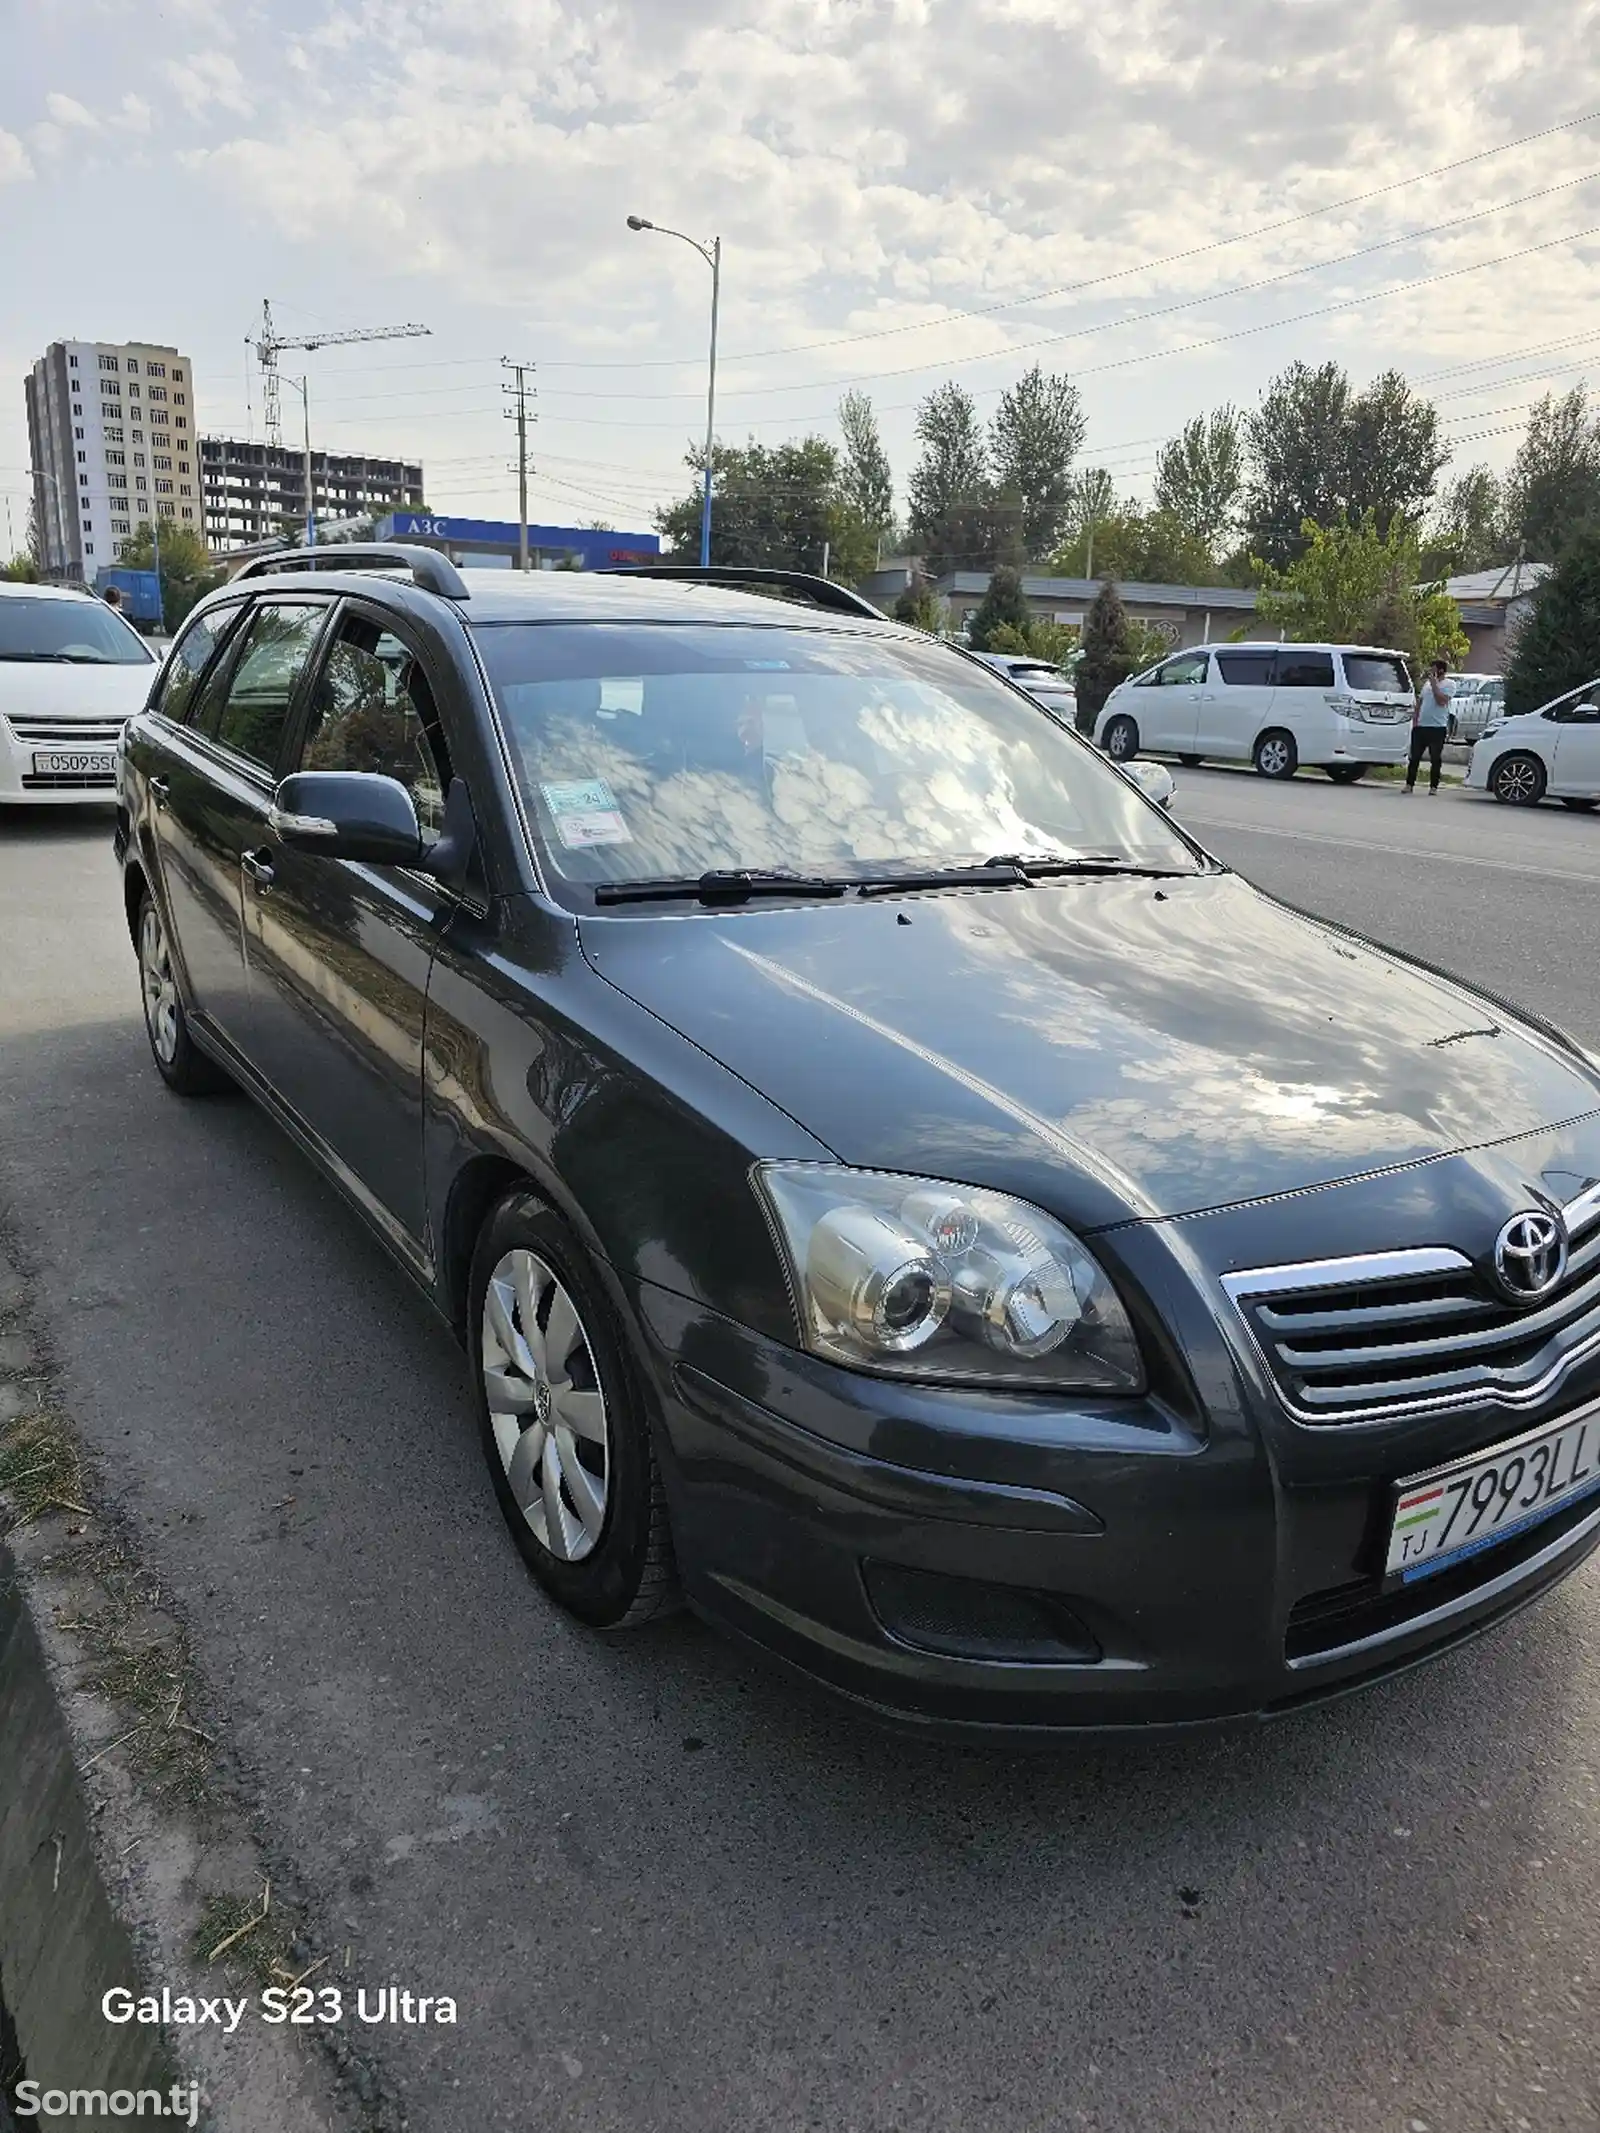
1553 753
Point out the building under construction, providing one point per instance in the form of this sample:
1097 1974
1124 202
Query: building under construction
252 492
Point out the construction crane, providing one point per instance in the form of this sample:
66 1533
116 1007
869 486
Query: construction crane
268 342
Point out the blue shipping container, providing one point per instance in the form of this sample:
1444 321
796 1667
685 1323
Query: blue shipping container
140 590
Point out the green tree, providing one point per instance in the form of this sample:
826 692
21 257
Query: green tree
866 481
1109 656
187 571
1468 528
1004 605
1143 547
777 506
919 604
1200 477
952 517
1552 492
1034 439
1350 584
1558 647
1320 452
21 570
1055 642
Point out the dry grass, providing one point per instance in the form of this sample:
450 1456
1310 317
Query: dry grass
40 1469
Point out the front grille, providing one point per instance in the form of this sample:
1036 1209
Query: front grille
68 732
1352 1340
67 781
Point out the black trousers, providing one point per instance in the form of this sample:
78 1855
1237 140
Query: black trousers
1426 741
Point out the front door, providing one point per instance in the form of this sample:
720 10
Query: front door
1577 763
1236 704
339 953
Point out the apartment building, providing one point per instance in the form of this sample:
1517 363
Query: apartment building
112 446
254 491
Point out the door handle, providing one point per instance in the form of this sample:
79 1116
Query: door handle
258 865
160 789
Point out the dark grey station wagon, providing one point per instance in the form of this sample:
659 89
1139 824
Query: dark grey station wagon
892 1186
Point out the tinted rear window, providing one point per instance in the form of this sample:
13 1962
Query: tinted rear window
1305 670
1381 673
1246 670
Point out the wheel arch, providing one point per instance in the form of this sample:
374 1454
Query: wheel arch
475 1191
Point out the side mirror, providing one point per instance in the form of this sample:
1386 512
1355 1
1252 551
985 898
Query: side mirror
1586 711
1154 780
347 814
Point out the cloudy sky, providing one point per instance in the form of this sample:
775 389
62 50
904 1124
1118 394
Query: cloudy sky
1168 200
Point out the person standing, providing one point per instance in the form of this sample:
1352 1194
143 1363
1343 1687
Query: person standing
1430 722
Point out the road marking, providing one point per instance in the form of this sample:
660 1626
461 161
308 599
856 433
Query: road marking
1365 844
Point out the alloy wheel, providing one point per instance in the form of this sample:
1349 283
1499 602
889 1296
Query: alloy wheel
1272 758
1120 742
546 1408
1517 782
158 984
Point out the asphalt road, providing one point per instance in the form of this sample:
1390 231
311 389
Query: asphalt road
673 1890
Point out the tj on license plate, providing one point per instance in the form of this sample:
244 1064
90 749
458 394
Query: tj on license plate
1442 1517
60 765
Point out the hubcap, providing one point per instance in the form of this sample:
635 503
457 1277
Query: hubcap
1274 758
160 990
545 1405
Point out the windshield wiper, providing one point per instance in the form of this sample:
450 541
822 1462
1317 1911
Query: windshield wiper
721 885
1039 866
1011 870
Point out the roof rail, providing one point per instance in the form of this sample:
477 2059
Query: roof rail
820 592
429 569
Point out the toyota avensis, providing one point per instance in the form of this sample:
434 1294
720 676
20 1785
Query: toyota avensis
891 1184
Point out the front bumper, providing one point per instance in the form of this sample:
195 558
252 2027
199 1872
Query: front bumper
23 785
1034 1564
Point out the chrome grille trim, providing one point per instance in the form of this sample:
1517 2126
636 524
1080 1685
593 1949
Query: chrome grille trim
67 732
1326 1383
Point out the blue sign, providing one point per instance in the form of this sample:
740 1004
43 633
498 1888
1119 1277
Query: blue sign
595 550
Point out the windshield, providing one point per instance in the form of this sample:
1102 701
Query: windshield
1380 673
648 753
83 632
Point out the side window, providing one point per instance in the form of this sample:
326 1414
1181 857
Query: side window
1305 670
1152 680
191 655
1246 670
371 709
1182 673
277 644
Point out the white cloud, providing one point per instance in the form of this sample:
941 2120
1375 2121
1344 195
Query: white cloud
207 80
67 111
15 162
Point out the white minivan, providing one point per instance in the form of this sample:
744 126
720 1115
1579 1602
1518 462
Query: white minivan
72 673
1335 707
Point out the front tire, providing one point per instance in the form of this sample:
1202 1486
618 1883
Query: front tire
179 1060
1518 781
563 1427
1346 773
1276 755
1121 741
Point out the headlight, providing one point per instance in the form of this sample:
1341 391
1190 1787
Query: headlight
920 1279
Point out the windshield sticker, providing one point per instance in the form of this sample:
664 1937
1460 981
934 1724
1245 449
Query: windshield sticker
621 693
585 812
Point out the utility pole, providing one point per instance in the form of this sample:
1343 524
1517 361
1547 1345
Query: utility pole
520 394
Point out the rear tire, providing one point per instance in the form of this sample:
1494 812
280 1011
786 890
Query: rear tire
1518 781
564 1428
1121 740
1276 755
1581 807
179 1060
1346 773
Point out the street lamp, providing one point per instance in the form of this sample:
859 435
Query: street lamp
712 255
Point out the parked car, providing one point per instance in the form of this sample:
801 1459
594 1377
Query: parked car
890 1183
1039 678
72 673
1553 753
1476 701
1334 707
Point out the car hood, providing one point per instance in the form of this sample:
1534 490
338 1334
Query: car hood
1118 1047
45 689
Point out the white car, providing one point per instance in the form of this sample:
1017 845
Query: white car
1554 752
1337 707
72 673
1047 684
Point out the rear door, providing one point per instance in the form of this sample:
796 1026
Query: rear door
339 953
201 815
1236 704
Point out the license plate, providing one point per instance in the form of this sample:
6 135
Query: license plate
60 764
1443 1517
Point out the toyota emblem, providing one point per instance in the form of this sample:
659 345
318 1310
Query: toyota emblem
1530 1255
